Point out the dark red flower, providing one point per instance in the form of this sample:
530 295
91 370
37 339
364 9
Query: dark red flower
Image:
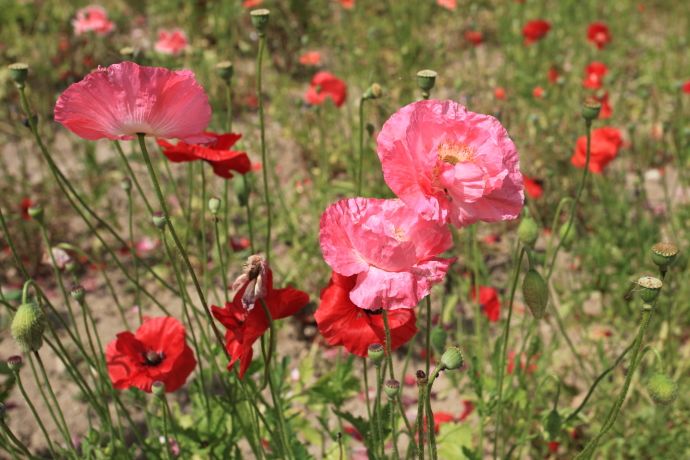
157 351
474 36
533 187
553 74
341 322
24 206
488 299
217 153
244 326
538 92
440 417
606 142
467 409
553 446
686 87
598 33
535 30
606 110
594 75
500 93
239 243
325 85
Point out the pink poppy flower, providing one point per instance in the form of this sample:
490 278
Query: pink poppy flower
93 18
171 42
391 249
447 4
124 99
450 164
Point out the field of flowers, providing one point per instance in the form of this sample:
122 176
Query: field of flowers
344 229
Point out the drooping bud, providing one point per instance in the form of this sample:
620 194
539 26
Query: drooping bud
590 109
242 189
663 254
260 19
214 205
15 363
528 231
376 353
158 388
567 234
438 338
19 71
35 211
373 92
159 220
225 70
78 293
422 379
254 279
27 327
649 288
535 292
392 388
553 424
452 358
426 79
662 388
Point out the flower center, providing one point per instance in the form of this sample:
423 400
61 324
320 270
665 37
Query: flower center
399 234
153 358
452 152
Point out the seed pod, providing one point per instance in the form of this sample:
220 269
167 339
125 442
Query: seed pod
528 231
664 254
392 388
19 71
535 292
260 19
662 388
28 326
649 288
426 79
438 339
376 353
452 358
590 109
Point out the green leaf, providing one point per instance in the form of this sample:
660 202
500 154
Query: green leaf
453 440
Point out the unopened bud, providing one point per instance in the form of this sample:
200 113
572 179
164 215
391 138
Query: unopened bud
78 293
376 353
649 288
260 19
590 109
567 234
535 292
36 212
15 363
373 92
528 231
426 79
19 71
158 388
663 254
242 189
438 338
159 220
392 388
422 379
553 423
662 388
214 205
452 358
225 70
27 327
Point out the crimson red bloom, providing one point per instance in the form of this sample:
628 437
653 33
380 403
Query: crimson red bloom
251 3
325 85
467 409
686 87
217 153
341 322
598 33
347 4
474 36
538 92
553 74
594 75
533 187
24 206
488 299
500 93
606 110
535 30
606 142
244 326
553 446
310 58
157 351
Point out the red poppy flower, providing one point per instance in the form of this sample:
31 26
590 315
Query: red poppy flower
527 365
310 58
533 187
535 30
347 4
488 299
24 206
500 93
553 74
606 142
341 322
598 33
448 4
440 418
686 87
217 153
594 75
474 36
239 243
326 85
553 446
157 351
538 92
251 3
244 325
606 110
467 409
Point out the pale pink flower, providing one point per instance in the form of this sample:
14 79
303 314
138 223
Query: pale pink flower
93 18
450 164
124 99
391 249
173 41
447 4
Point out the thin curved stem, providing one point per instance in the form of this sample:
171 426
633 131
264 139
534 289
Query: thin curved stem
264 157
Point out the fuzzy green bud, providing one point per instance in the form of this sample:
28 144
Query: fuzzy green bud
590 109
426 79
535 292
662 388
392 388
663 255
376 353
260 19
438 338
553 424
158 388
15 363
452 358
242 189
567 234
214 205
528 231
159 220
78 293
649 288
19 71
36 212
27 327
373 92
225 70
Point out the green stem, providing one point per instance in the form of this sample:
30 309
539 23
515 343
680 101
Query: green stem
360 167
62 427
20 445
431 425
422 387
264 159
394 434
389 351
428 334
36 416
221 259
378 409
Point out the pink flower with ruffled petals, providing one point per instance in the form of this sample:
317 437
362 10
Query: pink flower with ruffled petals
122 100
391 249
450 164
171 42
93 18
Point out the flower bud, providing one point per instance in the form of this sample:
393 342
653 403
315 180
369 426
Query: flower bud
19 71
535 292
649 288
214 205
662 388
27 327
452 358
373 92
242 189
392 388
225 70
36 212
663 254
78 293
553 424
159 220
567 234
590 109
528 231
376 353
438 338
426 79
260 19
422 379
15 363
158 388
127 53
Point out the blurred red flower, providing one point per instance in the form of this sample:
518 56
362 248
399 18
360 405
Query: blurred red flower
244 325
538 92
347 4
326 85
467 409
606 109
252 3
500 93
310 58
488 299
24 206
533 187
341 322
598 33
553 74
606 142
217 153
686 87
448 4
594 75
474 36
92 18
527 365
553 446
157 351
535 30
239 243
173 42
